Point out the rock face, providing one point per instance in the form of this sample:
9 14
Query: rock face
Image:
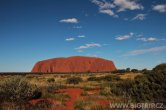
74 64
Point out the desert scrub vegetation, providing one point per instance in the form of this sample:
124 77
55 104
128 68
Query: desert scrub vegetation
105 78
15 92
81 104
84 93
106 91
146 88
48 90
160 68
50 93
90 86
74 80
40 105
51 80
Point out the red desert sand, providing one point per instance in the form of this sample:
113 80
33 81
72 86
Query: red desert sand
75 94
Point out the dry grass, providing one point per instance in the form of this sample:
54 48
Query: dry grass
60 79
129 75
42 80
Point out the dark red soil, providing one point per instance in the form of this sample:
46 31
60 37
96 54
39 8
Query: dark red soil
103 102
74 94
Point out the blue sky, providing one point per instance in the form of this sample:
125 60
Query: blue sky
132 33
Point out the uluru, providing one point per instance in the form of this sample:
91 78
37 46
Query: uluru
74 64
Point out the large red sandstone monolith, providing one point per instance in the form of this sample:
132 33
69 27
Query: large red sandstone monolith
74 64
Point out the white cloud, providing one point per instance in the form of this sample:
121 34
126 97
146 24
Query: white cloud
127 4
109 12
148 50
124 37
110 8
160 8
140 17
81 36
148 39
90 45
103 4
105 7
74 38
69 20
70 39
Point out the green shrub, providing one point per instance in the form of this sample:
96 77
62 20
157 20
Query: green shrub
160 68
151 87
49 93
48 90
127 69
112 78
105 91
122 87
74 80
84 93
147 88
41 105
93 78
88 88
51 80
80 104
134 71
105 78
119 71
18 91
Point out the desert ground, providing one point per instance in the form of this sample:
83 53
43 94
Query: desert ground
72 91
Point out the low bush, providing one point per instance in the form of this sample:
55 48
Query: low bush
161 68
92 78
49 90
88 88
146 88
122 87
80 104
41 105
17 91
105 91
119 71
134 70
105 78
51 80
74 80
84 93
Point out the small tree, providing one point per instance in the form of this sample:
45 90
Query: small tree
134 70
127 69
